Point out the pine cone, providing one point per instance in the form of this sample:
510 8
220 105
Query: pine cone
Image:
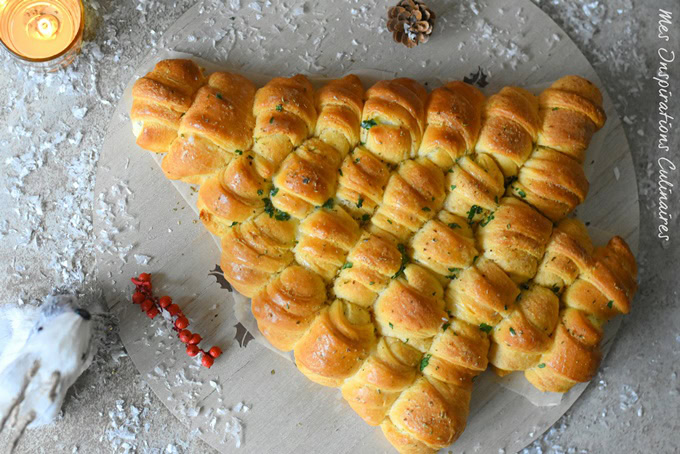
411 22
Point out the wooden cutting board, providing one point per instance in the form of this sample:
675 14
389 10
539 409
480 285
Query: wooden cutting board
146 223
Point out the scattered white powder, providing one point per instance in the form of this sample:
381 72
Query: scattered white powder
79 112
142 259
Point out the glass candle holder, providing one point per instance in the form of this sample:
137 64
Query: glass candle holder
44 34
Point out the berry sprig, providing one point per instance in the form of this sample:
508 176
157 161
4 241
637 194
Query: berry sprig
153 306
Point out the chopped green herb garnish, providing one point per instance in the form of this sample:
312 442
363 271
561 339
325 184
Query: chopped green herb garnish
368 124
555 108
445 326
489 218
238 152
512 331
218 95
279 108
391 325
346 265
365 217
274 212
486 328
474 210
274 191
541 366
305 180
610 304
425 361
259 192
328 203
521 193
271 120
404 261
426 209
233 224
360 202
453 186
453 225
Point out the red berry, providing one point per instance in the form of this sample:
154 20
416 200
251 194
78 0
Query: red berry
165 301
151 313
138 298
181 322
215 352
207 361
146 305
192 350
173 309
185 336
145 277
195 339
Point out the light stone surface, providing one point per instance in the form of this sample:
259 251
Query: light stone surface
51 129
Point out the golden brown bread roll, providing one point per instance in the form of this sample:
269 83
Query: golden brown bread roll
570 113
284 115
218 123
393 119
413 196
552 179
383 252
383 376
445 245
433 412
326 236
551 182
288 306
255 250
363 177
453 123
307 178
474 187
371 264
339 104
593 286
604 289
347 333
159 100
510 128
514 236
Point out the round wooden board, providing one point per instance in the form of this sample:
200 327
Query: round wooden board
144 210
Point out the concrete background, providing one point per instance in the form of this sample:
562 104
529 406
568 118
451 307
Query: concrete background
51 128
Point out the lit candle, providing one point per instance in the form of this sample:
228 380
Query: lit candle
42 31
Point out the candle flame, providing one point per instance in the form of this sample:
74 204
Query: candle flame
47 27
